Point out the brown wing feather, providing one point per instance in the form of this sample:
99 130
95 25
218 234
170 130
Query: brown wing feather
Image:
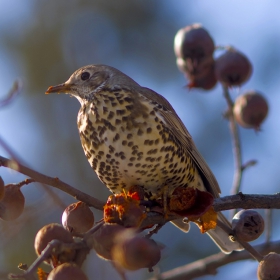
181 133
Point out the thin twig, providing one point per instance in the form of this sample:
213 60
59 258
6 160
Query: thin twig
24 182
17 159
235 143
268 224
14 91
55 182
54 245
254 253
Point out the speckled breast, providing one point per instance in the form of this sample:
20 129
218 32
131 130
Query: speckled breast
127 144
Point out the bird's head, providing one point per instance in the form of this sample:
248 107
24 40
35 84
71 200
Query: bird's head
88 80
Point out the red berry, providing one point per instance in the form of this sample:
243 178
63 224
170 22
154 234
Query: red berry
233 68
250 109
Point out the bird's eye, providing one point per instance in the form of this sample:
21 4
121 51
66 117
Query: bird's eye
85 76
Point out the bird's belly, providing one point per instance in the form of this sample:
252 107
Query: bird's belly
136 152
123 159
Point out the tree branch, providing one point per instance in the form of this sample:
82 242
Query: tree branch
55 182
235 143
209 265
247 201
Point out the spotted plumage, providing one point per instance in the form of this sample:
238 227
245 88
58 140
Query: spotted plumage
132 136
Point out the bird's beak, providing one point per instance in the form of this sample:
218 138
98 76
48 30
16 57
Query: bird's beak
62 88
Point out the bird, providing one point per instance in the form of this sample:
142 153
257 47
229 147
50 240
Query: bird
132 136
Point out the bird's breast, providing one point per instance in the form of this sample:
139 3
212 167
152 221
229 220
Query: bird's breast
128 144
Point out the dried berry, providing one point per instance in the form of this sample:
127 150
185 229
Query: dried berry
103 239
12 204
247 225
193 42
269 268
200 75
50 232
133 252
233 68
250 109
67 271
77 218
124 209
2 188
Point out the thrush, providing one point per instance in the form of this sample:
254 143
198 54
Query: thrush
132 136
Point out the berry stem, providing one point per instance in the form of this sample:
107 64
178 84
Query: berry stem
253 252
236 143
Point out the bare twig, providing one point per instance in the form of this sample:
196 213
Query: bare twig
24 182
247 201
268 224
48 190
253 252
249 164
235 143
54 245
209 265
14 91
55 182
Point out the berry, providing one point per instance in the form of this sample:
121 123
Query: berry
50 232
133 252
193 42
12 203
233 68
200 75
67 271
103 239
269 268
2 188
247 225
77 218
250 109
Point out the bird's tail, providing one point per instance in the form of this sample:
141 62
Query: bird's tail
218 235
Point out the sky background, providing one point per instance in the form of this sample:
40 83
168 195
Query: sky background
44 42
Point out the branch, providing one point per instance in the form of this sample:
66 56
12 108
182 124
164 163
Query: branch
55 182
48 190
209 265
247 201
235 143
14 91
54 245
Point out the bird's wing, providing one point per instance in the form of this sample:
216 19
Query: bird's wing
179 130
